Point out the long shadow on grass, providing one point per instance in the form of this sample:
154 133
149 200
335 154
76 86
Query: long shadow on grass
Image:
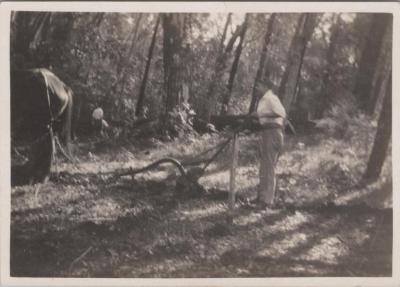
292 256
50 253
45 244
292 264
238 258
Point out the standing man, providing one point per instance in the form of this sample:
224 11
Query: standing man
271 115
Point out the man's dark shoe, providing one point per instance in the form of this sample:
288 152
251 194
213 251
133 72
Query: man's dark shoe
264 205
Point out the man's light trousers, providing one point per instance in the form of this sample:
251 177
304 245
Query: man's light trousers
271 144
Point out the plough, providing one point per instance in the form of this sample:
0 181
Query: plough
187 184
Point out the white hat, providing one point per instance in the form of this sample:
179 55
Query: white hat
98 114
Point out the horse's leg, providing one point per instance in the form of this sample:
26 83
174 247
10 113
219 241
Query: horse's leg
64 127
42 158
76 115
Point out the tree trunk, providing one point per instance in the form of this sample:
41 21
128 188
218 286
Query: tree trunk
378 89
220 65
382 72
217 71
139 105
40 25
121 68
304 31
291 55
221 43
21 43
382 138
228 94
324 99
29 29
369 59
255 95
172 53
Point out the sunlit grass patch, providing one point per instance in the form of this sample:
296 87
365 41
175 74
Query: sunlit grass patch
193 213
329 250
280 248
290 222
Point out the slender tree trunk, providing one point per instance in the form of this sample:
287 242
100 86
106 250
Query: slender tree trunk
369 58
324 100
378 88
228 94
29 29
121 68
140 102
172 50
304 31
39 26
220 65
291 55
255 95
21 43
221 43
382 138
382 72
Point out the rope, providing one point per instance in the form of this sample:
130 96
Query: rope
200 161
48 100
63 152
223 146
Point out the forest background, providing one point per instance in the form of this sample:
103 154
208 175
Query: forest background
161 79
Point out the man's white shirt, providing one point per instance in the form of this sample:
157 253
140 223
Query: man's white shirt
269 106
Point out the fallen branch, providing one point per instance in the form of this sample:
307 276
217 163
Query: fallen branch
78 259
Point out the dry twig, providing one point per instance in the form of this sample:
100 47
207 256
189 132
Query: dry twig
76 260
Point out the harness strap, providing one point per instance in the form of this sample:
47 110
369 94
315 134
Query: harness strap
221 148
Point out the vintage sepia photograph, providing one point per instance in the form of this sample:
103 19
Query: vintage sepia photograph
236 144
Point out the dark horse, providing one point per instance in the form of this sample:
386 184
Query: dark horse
41 108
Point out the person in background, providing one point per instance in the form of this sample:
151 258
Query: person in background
98 122
271 115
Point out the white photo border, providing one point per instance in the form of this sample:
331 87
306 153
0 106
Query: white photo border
195 7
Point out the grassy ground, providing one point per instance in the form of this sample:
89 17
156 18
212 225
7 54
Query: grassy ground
84 224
